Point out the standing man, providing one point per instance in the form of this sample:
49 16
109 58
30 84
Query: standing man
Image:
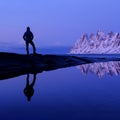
28 37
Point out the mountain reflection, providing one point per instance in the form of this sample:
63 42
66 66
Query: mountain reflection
14 65
101 69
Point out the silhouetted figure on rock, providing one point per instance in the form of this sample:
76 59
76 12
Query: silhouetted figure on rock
29 90
28 37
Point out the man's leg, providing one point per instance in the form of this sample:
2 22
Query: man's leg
33 45
27 49
34 79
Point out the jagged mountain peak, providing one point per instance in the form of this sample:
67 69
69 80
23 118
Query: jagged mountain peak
99 43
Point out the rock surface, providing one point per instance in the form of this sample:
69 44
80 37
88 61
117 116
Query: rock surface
12 65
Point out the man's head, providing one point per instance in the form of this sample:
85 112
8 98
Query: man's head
28 28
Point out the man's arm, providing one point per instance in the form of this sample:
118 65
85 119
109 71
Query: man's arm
24 36
32 36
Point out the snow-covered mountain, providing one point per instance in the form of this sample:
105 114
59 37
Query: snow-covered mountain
99 43
101 69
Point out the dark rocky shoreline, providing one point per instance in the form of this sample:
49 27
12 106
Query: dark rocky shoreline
12 64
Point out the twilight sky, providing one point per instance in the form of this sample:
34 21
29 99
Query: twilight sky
56 22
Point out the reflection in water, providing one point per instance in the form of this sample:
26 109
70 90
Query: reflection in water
29 90
13 65
100 69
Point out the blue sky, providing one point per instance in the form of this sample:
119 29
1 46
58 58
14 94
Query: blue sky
56 22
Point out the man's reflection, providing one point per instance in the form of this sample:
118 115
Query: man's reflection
29 90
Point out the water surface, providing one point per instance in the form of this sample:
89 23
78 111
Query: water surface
60 95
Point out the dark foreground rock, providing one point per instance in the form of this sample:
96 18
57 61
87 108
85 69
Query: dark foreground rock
12 65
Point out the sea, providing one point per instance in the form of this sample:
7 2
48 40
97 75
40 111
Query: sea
72 93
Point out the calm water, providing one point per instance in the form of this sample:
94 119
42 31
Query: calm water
62 94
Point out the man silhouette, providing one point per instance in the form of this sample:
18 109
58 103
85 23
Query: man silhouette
29 90
28 37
